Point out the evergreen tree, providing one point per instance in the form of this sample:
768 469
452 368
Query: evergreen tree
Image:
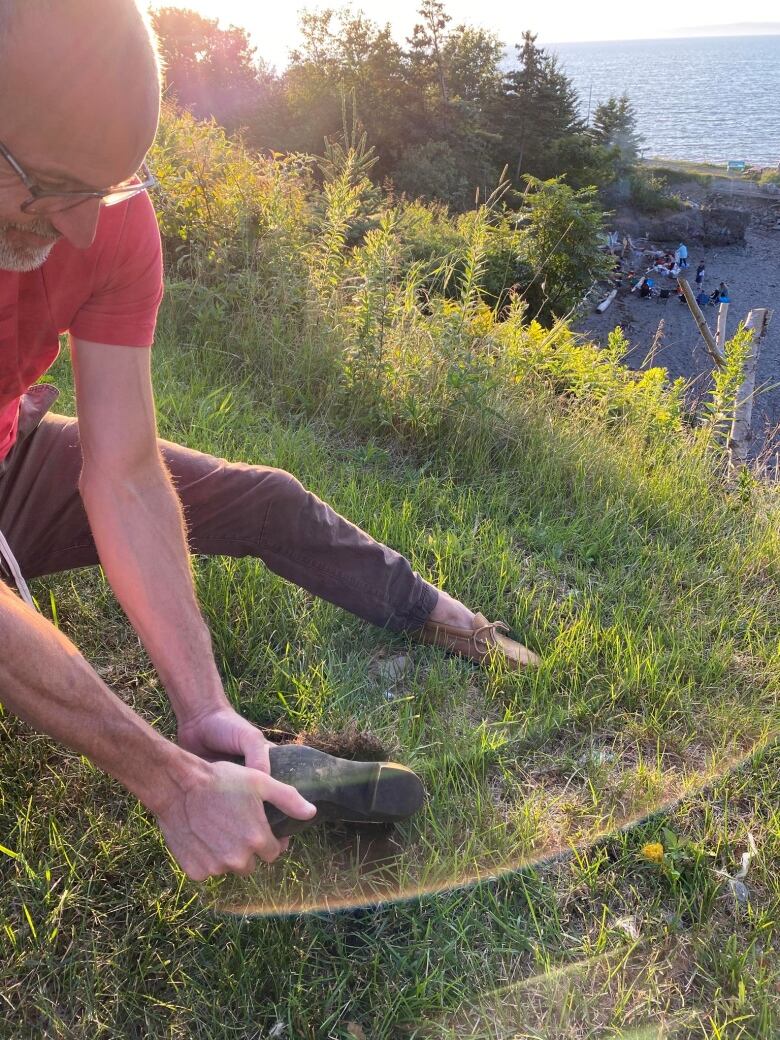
457 76
615 126
427 44
538 106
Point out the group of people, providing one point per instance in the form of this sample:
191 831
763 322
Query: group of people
670 264
717 296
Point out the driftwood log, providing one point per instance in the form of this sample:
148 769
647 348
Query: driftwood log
706 334
606 302
758 320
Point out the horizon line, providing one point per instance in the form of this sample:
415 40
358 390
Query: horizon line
678 35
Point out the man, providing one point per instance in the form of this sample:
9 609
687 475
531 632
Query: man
80 252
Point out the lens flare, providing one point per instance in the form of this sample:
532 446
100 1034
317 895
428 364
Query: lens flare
349 871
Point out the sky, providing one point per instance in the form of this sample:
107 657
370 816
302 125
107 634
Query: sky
273 27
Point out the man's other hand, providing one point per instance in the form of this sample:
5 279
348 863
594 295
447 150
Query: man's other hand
216 823
224 734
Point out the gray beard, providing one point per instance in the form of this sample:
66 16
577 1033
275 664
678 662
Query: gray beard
12 258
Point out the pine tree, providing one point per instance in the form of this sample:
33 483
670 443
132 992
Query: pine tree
427 43
538 106
615 126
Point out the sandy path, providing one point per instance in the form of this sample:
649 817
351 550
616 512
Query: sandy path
752 273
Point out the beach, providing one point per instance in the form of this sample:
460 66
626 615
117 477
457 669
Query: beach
752 273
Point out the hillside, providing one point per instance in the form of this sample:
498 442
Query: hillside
572 874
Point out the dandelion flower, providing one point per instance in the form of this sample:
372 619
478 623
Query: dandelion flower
654 852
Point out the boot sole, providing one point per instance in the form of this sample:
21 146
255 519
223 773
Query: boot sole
355 792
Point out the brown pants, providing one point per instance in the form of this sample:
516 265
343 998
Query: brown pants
231 509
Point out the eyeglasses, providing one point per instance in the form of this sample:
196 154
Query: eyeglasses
45 202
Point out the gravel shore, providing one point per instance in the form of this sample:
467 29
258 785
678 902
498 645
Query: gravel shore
752 273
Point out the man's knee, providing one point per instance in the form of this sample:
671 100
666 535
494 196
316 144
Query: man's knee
292 515
280 488
282 501
232 507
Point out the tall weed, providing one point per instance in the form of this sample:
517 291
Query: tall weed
387 316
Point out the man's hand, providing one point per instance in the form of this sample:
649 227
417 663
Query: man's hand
216 823
223 733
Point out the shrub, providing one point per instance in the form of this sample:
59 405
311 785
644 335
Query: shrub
408 332
681 176
650 193
433 171
770 177
220 208
562 234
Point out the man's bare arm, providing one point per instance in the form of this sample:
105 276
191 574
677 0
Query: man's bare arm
45 681
136 520
135 517
210 813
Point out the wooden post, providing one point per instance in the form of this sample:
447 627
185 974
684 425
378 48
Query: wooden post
709 340
720 335
740 437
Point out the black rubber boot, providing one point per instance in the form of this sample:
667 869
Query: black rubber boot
357 792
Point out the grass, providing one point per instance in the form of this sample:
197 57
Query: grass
520 904
679 170
701 172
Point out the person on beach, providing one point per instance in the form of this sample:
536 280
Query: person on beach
681 256
80 253
721 294
700 273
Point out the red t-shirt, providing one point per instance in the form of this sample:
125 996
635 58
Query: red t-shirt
108 293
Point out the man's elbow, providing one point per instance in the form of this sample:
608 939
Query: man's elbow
123 477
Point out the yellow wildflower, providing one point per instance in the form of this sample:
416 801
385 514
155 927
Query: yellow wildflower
653 852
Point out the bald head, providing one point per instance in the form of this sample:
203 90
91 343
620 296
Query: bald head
129 10
135 29
81 79
79 103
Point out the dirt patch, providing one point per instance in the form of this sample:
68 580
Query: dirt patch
573 790
351 743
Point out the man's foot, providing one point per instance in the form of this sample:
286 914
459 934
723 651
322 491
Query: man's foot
477 640
357 792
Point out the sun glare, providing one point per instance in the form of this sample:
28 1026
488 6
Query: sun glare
274 28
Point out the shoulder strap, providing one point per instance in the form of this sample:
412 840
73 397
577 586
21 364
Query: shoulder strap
13 567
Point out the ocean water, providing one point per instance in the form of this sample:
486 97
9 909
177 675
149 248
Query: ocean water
708 98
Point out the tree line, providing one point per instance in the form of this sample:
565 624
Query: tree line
445 114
